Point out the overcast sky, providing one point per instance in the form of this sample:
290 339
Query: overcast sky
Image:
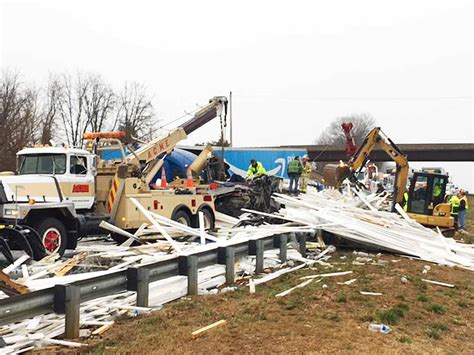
293 66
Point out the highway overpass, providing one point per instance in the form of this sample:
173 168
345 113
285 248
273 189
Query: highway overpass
438 152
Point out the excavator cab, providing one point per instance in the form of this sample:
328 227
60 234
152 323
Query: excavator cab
426 200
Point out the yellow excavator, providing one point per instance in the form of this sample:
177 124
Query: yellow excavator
426 193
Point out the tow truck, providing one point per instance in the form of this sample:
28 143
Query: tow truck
60 194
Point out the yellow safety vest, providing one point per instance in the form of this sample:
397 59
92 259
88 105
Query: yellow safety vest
405 207
254 171
454 201
465 199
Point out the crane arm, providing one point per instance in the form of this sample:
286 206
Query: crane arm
164 145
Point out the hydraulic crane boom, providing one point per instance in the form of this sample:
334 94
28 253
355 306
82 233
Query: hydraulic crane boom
148 152
147 155
335 174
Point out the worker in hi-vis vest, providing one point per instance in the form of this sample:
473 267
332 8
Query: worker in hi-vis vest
306 174
463 207
255 169
454 202
295 168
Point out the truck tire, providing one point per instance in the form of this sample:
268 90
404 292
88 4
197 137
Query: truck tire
209 221
53 235
182 217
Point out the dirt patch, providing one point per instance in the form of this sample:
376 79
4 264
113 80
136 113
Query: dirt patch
333 318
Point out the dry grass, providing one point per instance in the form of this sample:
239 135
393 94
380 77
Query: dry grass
424 318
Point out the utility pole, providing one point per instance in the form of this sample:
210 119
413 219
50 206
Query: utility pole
231 138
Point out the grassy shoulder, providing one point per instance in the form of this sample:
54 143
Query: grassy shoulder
333 318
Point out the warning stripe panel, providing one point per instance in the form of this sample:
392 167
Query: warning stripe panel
112 194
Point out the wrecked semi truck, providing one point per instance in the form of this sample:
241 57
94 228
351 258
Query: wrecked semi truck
60 194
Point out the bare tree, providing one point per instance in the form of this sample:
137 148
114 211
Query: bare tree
99 103
50 110
334 135
18 114
71 107
135 113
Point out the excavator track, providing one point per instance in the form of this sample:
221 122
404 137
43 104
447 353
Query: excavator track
20 238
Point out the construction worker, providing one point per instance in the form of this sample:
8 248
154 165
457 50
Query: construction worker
405 201
437 196
455 201
463 207
295 168
255 169
306 174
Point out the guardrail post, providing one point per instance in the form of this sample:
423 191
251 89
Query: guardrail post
303 245
138 280
319 234
226 256
188 266
67 301
256 248
281 241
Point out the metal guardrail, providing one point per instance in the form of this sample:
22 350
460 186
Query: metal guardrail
66 299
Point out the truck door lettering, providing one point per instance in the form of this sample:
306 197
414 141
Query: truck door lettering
82 188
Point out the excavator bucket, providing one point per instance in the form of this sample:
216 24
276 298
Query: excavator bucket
334 174
21 238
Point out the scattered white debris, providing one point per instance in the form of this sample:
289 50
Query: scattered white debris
371 293
438 283
332 274
348 282
210 326
303 284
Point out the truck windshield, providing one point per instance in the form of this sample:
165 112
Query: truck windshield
42 164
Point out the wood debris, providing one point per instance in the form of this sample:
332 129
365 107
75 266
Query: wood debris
366 293
303 284
210 326
11 287
69 264
438 283
331 274
94 259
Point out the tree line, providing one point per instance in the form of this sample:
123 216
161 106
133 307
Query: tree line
65 108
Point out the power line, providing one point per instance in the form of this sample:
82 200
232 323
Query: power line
153 131
367 98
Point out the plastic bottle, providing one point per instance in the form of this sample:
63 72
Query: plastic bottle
379 328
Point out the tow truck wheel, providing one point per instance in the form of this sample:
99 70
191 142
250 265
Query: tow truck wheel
182 217
53 235
208 219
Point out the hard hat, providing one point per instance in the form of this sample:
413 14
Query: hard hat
305 156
